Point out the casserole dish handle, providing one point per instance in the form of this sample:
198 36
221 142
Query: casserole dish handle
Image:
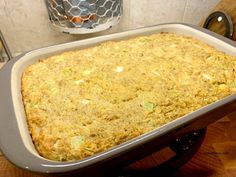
184 148
8 52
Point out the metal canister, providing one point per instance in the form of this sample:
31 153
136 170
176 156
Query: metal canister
84 16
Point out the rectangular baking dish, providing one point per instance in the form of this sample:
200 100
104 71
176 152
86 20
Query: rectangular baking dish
15 140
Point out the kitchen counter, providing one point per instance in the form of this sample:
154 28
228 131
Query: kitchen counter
216 157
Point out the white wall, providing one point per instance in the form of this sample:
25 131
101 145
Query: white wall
25 23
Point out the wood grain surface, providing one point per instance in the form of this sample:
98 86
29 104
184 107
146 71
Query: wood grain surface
1 65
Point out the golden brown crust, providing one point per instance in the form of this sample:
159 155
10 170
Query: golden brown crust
83 102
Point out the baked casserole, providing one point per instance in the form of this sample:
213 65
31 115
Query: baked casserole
86 101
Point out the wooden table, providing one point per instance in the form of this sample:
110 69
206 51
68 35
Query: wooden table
216 157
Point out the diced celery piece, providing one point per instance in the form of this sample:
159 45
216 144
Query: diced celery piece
149 106
76 141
